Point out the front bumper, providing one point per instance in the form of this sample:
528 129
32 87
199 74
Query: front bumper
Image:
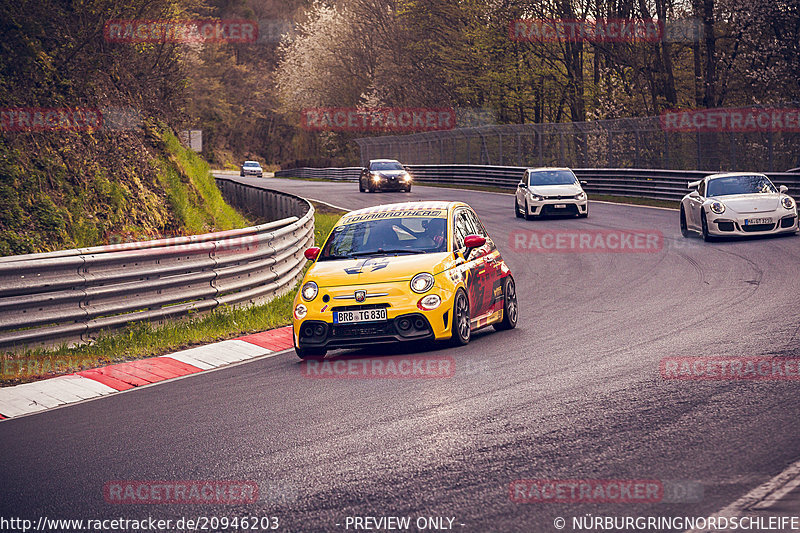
725 224
548 206
405 320
386 184
257 173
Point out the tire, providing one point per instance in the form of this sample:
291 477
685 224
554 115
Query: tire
241 174
586 214
370 187
407 189
461 334
314 354
516 208
684 227
510 306
360 186
527 213
706 236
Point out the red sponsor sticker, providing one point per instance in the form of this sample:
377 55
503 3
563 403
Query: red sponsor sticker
586 241
181 492
180 31
549 30
382 119
586 491
715 368
392 367
743 119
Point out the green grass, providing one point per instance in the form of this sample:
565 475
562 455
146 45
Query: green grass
198 204
143 340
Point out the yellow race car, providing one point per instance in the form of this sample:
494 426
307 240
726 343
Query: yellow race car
402 272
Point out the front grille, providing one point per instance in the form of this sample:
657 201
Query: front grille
550 210
362 330
559 197
725 226
787 222
758 227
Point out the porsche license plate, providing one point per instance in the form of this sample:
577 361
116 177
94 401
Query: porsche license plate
754 221
359 316
560 206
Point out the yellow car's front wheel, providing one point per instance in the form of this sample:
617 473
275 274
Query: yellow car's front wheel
461 324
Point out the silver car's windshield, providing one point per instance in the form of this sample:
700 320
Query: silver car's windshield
740 185
386 166
551 177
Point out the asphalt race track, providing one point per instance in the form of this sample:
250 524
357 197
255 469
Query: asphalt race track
575 392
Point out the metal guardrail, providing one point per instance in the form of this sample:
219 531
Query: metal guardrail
69 296
667 185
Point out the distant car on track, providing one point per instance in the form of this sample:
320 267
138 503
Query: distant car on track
384 175
251 168
402 272
550 191
738 203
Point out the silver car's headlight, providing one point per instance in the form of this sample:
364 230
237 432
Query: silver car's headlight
309 291
422 282
787 202
717 207
580 196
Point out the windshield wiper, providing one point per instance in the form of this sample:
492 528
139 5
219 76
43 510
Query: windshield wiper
385 252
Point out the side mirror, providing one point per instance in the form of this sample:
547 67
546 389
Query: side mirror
584 182
474 241
694 184
521 185
312 253
784 189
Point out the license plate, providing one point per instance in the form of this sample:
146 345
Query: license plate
561 206
361 315
754 221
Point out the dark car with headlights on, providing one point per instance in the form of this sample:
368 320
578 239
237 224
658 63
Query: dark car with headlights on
384 175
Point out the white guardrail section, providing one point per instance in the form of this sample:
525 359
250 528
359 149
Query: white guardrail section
69 296
641 183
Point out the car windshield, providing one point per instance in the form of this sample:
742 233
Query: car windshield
740 185
251 164
388 165
412 235
551 177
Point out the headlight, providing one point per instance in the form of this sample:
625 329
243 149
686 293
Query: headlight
429 302
376 177
535 197
787 202
580 196
310 291
406 177
717 207
300 312
421 283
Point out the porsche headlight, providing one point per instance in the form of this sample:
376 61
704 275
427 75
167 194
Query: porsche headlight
717 207
309 291
580 196
421 283
787 202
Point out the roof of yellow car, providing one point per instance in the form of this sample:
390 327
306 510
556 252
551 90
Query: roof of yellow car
404 206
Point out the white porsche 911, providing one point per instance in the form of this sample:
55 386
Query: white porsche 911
738 203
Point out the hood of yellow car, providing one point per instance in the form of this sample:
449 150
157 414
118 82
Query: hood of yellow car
376 269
